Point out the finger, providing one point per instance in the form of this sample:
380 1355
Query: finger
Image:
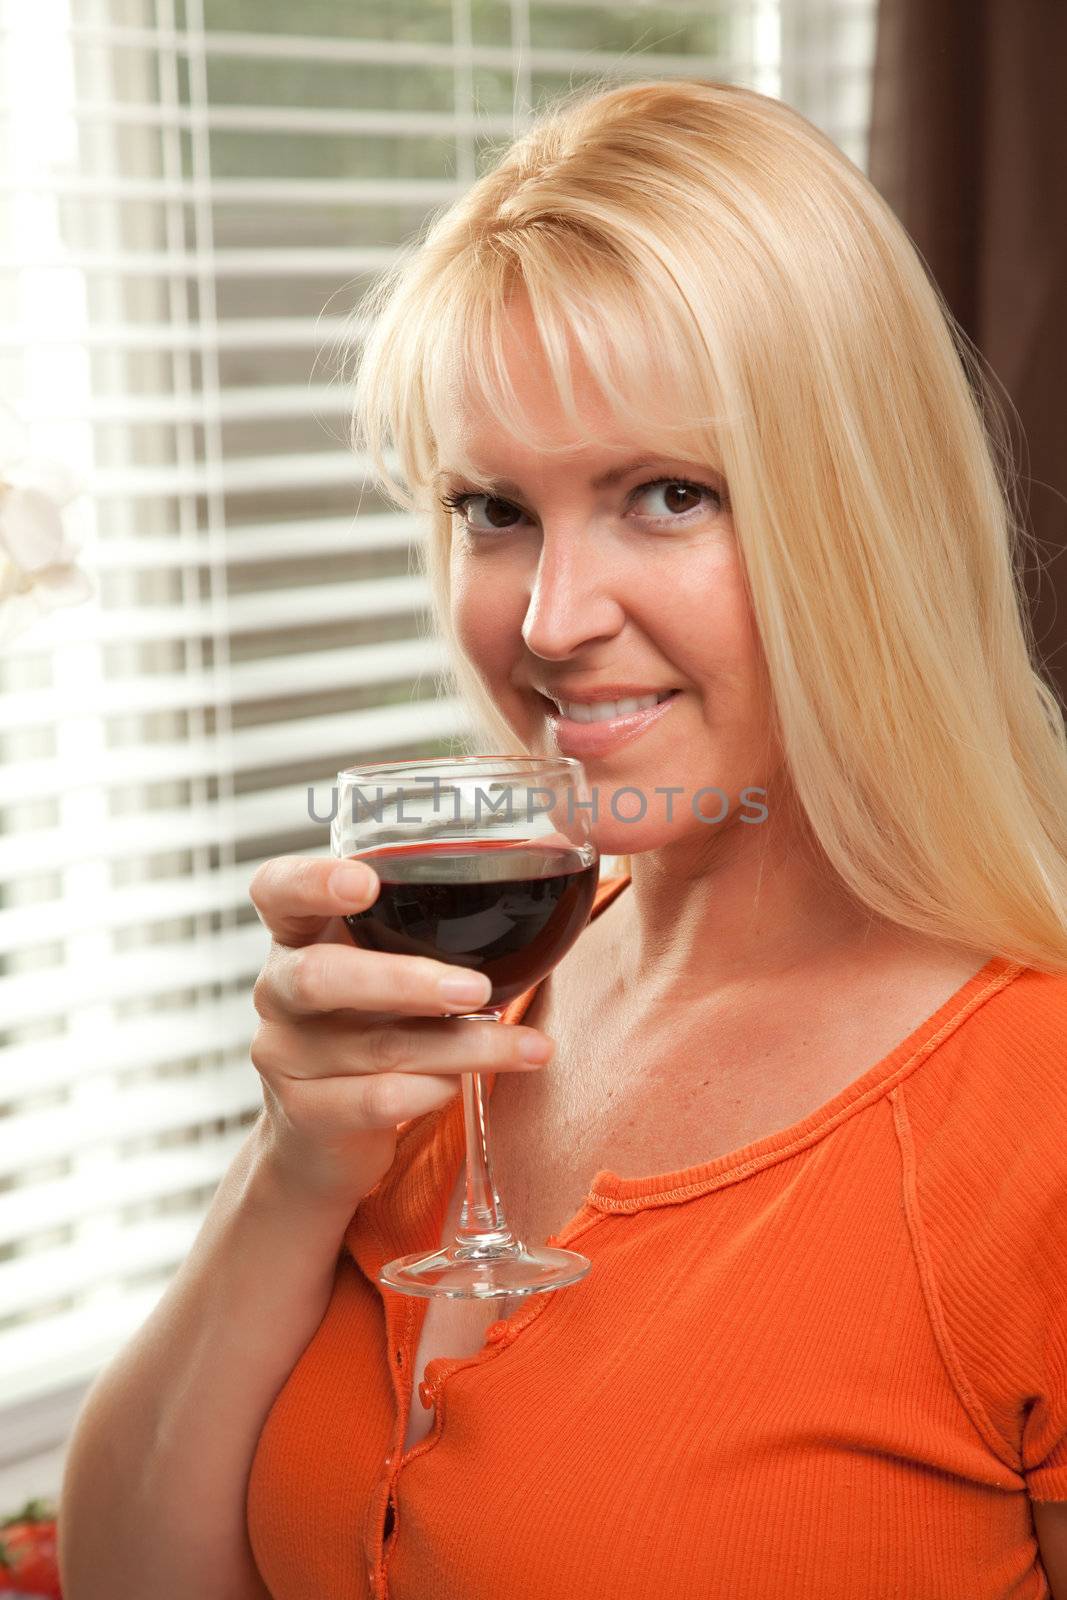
323 1048
327 1111
336 977
296 896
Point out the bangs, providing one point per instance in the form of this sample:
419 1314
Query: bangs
645 356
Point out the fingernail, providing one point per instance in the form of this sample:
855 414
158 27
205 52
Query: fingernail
472 989
532 1048
350 881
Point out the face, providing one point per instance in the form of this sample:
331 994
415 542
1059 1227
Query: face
569 583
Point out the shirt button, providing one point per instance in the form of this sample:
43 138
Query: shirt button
426 1394
495 1331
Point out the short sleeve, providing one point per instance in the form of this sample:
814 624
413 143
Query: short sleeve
1044 1440
990 1131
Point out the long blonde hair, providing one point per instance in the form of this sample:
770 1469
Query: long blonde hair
742 294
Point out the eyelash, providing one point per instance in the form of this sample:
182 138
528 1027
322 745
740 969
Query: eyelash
456 500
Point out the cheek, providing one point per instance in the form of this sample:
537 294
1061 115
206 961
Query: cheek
463 613
485 633
468 617
746 646
710 618
742 664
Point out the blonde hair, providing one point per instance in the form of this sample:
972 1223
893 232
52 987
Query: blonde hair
744 296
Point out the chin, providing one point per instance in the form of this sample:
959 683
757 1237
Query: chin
630 839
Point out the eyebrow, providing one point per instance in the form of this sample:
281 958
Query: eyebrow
604 481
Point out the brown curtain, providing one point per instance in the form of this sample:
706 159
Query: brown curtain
969 147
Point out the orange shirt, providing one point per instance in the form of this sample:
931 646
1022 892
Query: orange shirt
831 1363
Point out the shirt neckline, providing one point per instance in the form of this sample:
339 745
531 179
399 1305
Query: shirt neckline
436 1142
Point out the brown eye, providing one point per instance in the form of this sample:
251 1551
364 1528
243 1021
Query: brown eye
674 492
680 497
493 514
461 504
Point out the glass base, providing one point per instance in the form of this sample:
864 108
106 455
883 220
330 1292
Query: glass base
511 1270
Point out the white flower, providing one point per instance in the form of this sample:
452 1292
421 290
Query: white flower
38 571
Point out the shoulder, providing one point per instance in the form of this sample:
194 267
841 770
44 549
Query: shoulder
1034 1002
987 1122
1001 1072
987 1192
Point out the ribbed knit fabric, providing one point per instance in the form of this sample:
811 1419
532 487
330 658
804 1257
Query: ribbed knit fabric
830 1364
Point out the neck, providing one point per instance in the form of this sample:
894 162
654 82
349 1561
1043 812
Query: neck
749 905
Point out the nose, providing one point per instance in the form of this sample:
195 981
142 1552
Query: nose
575 598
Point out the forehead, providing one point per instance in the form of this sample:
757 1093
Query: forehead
475 419
538 424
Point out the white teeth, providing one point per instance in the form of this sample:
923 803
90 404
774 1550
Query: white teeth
603 710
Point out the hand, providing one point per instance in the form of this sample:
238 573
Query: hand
352 1042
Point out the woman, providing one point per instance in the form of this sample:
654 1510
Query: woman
689 420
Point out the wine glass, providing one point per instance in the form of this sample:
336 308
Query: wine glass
486 863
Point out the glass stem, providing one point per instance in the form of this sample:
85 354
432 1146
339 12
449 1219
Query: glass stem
483 1231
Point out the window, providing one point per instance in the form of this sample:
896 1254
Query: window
193 200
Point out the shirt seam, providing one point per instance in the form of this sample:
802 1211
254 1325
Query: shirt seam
922 1253
876 1092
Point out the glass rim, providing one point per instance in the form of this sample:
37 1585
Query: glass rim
505 765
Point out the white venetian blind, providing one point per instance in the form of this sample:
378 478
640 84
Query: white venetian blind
192 199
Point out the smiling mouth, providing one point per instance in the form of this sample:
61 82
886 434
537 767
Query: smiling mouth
554 710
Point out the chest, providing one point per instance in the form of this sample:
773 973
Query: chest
631 1099
639 1098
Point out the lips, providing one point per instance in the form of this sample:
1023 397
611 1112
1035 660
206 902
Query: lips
584 739
585 710
596 698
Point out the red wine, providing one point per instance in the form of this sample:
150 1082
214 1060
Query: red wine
508 910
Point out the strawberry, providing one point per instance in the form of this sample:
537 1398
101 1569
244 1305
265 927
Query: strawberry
28 1551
